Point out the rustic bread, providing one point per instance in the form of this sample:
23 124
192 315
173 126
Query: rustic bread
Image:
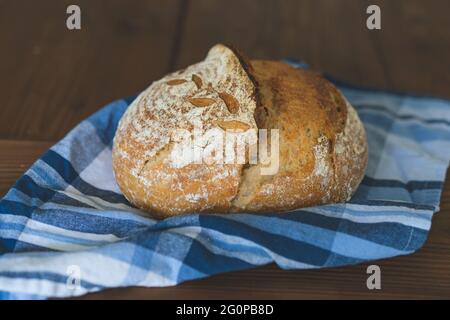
322 145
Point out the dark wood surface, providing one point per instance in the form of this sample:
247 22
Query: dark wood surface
51 78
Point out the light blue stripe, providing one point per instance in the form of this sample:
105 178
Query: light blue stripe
367 250
44 175
410 130
323 238
390 193
18 196
14 231
428 108
416 120
383 211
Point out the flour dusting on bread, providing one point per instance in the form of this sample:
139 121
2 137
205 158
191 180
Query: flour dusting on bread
194 97
322 154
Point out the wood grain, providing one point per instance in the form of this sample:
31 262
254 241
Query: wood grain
424 274
16 157
409 53
51 78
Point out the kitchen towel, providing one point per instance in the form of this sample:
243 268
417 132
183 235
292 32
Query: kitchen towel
66 229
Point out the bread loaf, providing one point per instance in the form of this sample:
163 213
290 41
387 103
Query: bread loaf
168 159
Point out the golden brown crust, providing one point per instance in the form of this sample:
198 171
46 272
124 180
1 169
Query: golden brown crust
323 150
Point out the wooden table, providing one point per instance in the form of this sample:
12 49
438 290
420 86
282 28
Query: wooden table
51 78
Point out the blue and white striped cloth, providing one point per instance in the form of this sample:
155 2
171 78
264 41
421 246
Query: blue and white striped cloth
65 228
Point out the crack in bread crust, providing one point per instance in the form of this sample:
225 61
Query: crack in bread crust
323 150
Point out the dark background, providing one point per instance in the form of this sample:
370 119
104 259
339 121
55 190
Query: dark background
52 78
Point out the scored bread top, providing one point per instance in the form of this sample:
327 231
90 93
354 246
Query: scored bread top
216 92
322 145
216 89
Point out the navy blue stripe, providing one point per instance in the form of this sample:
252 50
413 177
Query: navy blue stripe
284 246
203 260
390 234
7 245
89 223
410 186
16 208
61 165
69 174
27 186
128 100
401 117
